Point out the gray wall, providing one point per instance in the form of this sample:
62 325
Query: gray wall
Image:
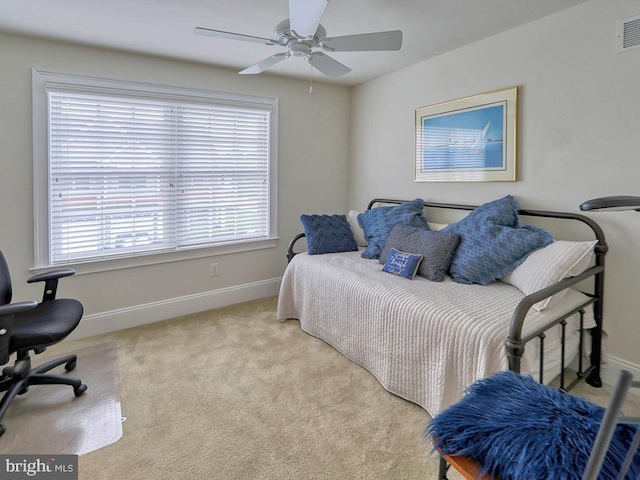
312 176
578 128
579 117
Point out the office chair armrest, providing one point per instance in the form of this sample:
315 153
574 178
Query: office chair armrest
51 281
18 307
52 275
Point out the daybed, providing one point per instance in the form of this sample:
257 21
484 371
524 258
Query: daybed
427 340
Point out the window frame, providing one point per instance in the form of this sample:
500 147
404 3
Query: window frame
60 82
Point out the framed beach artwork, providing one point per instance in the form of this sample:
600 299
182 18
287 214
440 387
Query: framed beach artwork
471 139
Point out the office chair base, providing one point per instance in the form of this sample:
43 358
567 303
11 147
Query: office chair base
17 380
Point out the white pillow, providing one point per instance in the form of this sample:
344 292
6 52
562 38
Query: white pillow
358 232
548 265
436 227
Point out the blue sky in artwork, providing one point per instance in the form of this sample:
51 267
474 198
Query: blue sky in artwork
474 119
466 139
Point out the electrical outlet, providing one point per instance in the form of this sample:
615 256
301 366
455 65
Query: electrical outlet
213 270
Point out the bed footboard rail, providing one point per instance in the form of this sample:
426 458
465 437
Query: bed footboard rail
516 342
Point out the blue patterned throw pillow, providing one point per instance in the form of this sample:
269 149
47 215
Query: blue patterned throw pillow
492 243
378 222
328 234
402 263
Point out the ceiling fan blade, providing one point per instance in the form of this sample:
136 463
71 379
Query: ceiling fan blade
327 65
231 36
305 16
365 42
264 64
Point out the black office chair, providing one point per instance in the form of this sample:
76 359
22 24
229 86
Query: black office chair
26 326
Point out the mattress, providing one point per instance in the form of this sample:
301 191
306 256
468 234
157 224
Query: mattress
424 341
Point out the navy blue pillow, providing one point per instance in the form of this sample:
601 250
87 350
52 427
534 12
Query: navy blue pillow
492 244
328 234
515 429
402 263
378 222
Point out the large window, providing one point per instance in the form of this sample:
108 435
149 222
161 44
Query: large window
126 170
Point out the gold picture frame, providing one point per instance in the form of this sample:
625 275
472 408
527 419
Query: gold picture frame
472 139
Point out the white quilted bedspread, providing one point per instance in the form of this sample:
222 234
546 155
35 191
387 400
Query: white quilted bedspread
424 341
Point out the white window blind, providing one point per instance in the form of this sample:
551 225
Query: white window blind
223 172
132 175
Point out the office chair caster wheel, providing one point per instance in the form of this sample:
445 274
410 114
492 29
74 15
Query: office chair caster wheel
1 430
80 390
70 366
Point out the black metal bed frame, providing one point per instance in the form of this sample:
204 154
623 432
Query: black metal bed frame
515 342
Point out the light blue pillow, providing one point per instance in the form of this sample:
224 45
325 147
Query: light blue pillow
492 243
378 222
401 263
328 234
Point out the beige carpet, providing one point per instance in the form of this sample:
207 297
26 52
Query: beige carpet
234 394
50 419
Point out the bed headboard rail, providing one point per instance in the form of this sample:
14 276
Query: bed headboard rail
598 233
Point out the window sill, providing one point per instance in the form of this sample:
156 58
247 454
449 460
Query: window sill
95 266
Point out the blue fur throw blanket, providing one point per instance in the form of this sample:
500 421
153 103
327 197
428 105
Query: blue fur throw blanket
515 428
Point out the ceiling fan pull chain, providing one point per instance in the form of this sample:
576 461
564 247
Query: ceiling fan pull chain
311 85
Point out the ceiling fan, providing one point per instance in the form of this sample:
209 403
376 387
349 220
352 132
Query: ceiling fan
302 33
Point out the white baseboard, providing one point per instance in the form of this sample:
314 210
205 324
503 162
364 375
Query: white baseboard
123 318
609 374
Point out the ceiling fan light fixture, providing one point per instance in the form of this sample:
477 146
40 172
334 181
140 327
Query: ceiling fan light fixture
300 49
302 33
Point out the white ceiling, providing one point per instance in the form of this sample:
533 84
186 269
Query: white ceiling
165 27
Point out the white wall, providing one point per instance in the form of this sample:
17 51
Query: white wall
312 177
578 129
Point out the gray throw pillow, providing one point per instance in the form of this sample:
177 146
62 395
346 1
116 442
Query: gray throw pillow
437 248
